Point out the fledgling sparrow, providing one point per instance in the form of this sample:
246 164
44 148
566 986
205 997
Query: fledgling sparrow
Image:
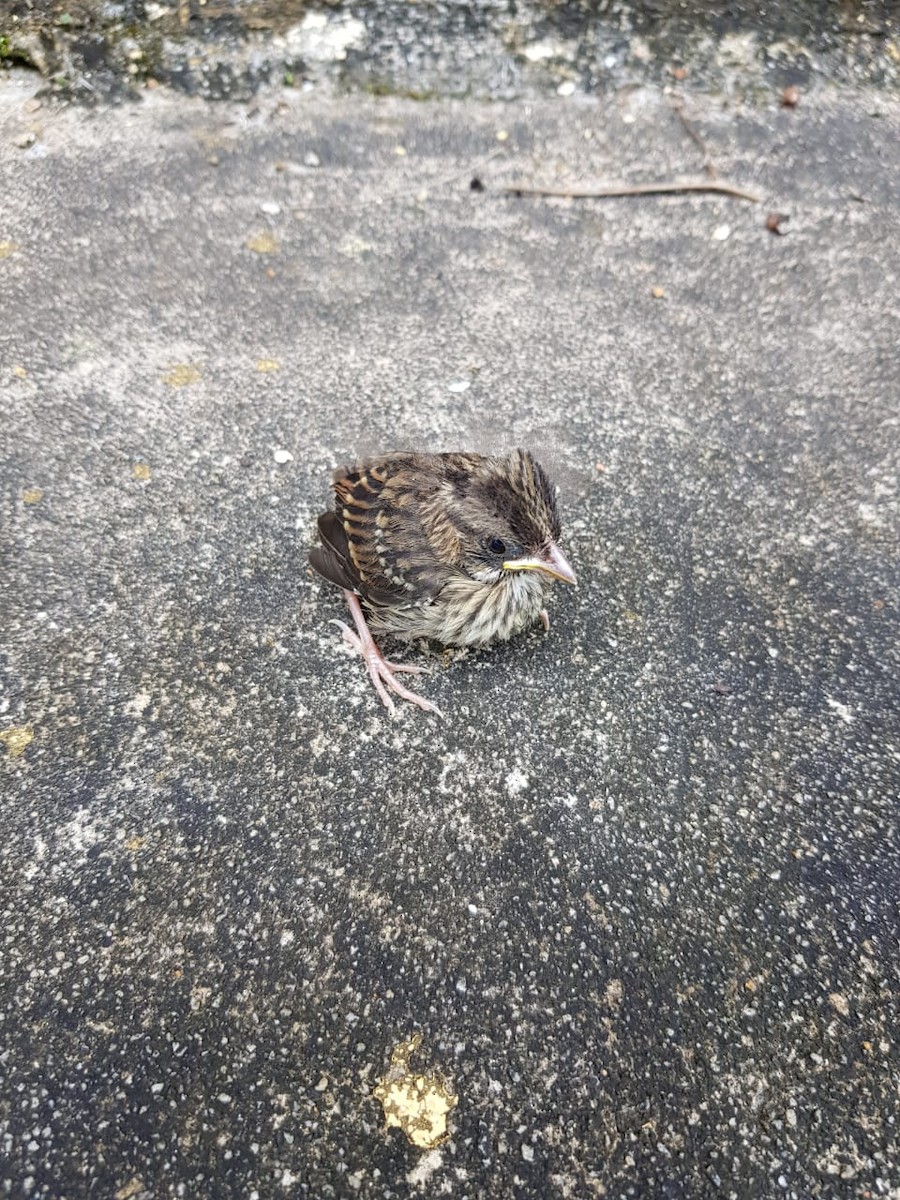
458 548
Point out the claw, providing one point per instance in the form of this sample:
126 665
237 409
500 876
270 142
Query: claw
381 671
353 640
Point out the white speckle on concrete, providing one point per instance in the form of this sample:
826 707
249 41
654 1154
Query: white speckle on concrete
516 782
422 1172
542 51
318 39
739 49
842 710
137 704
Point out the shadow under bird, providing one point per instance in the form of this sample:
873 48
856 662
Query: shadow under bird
459 548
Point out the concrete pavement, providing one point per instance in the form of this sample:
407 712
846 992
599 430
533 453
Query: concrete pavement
639 892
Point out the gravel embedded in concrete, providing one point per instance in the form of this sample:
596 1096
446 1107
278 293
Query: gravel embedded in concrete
639 892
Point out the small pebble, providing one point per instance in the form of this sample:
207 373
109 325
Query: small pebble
270 207
311 159
721 233
24 140
839 1003
282 456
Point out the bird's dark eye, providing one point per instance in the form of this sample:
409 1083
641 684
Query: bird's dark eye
497 546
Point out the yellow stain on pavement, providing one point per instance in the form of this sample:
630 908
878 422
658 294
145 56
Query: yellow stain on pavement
17 739
262 243
181 375
417 1104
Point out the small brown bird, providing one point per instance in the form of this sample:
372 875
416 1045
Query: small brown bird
454 547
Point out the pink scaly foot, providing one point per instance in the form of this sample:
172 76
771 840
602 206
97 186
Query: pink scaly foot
353 640
545 620
381 671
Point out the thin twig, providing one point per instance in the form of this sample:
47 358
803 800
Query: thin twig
708 165
638 189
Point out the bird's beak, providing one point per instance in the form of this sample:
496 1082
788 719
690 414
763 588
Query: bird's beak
551 562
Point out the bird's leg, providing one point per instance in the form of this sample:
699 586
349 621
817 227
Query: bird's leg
353 640
381 671
545 620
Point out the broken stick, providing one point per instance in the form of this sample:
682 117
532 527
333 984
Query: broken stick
721 186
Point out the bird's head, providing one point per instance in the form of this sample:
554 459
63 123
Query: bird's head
511 521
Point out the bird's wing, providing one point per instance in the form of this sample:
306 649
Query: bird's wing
332 558
371 542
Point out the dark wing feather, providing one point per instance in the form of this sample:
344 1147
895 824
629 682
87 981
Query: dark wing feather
332 534
332 558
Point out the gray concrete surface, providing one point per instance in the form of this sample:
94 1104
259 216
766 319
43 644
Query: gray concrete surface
640 892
